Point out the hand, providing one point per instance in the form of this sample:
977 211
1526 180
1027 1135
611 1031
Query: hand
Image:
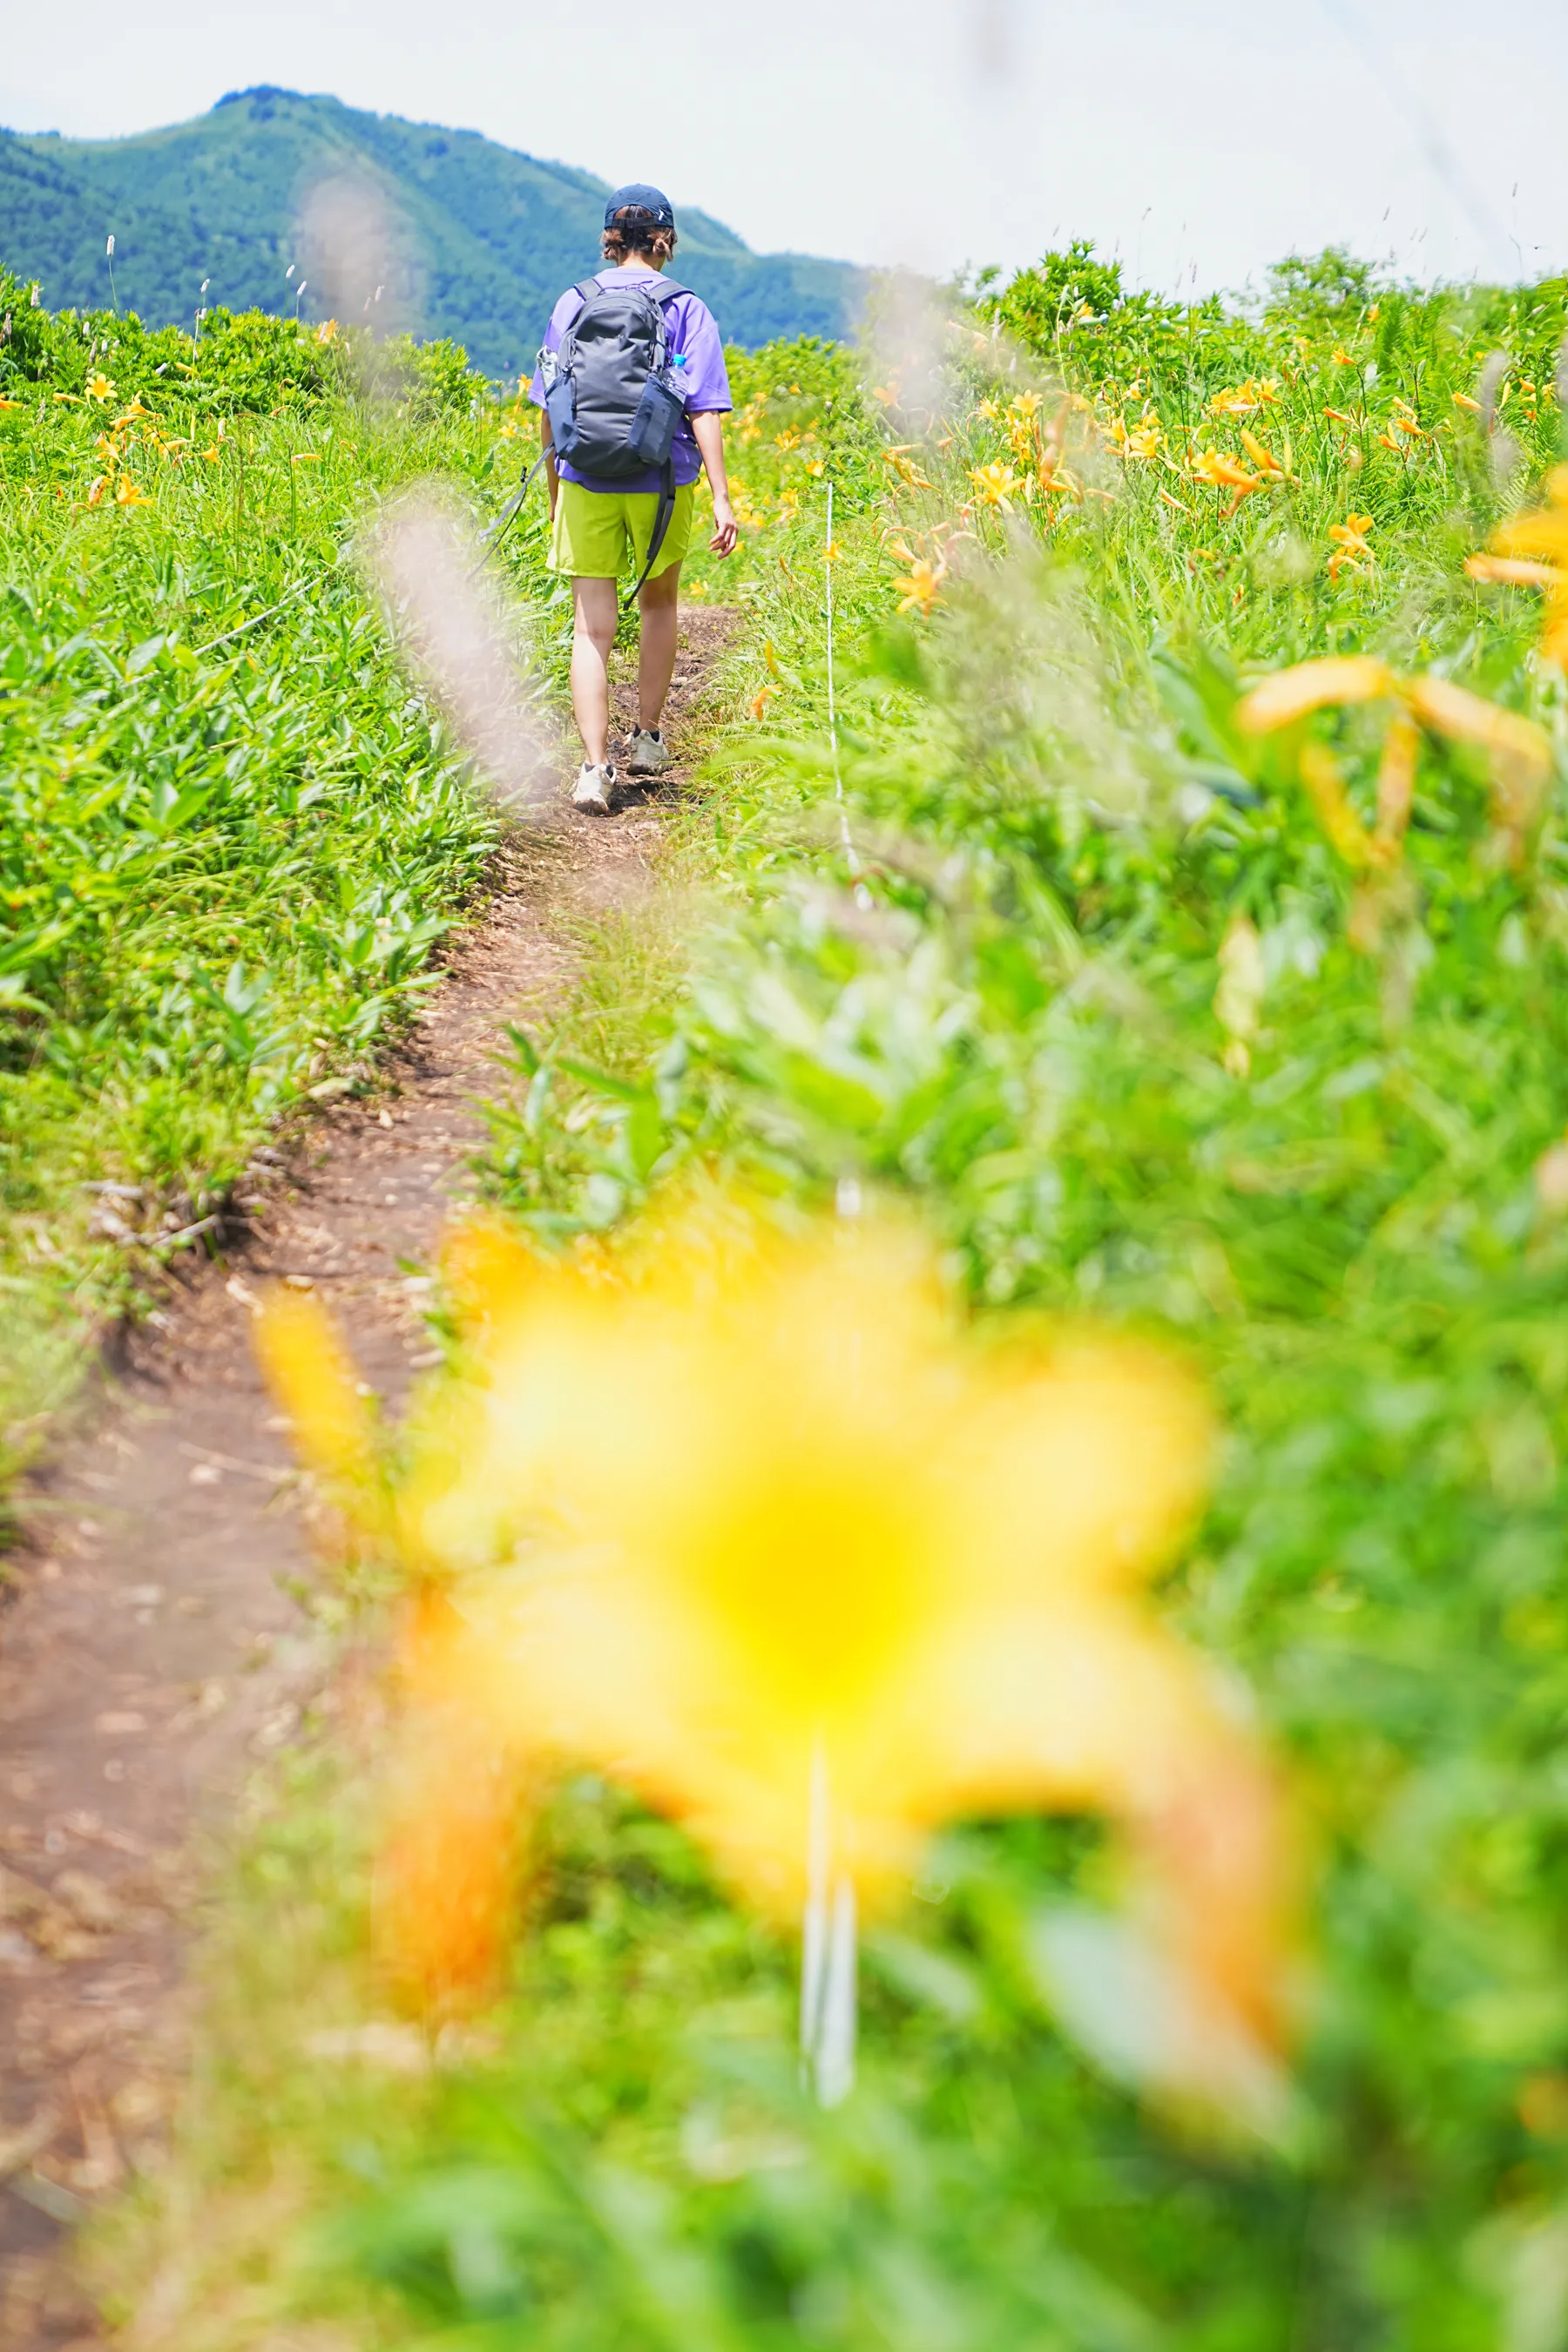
726 533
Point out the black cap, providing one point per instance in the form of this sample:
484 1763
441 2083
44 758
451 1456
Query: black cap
640 197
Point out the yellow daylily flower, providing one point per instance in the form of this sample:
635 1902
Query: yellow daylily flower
997 485
755 1528
126 494
98 387
923 584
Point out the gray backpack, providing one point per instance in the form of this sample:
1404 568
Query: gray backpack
612 393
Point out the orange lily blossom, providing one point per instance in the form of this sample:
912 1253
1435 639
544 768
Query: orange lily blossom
1246 399
1264 459
896 460
1220 472
815 1574
1351 544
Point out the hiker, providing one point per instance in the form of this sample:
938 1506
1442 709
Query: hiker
633 388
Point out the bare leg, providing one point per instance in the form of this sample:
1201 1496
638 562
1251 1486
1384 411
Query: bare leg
594 632
660 602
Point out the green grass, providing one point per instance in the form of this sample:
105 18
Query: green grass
231 834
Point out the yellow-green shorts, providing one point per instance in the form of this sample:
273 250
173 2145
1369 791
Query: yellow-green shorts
597 534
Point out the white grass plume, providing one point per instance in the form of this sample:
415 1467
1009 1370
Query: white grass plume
464 644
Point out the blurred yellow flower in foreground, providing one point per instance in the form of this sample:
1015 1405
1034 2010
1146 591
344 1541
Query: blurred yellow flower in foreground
1542 534
758 1522
1519 752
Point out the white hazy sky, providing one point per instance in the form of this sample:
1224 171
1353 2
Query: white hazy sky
1197 142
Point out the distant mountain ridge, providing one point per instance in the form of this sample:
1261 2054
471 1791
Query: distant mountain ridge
484 237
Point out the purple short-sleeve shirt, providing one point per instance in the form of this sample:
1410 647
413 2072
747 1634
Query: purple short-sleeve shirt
693 337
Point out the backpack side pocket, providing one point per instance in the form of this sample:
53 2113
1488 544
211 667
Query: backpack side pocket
561 407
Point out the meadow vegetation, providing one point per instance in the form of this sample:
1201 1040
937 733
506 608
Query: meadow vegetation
1173 996
229 835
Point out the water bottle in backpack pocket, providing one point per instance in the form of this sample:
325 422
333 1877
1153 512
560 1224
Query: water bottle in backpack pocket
659 411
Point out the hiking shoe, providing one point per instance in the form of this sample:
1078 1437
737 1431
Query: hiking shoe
592 788
649 753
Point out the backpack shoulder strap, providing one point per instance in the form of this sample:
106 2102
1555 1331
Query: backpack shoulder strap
586 292
665 291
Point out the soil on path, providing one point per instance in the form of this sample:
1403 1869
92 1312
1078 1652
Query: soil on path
154 1642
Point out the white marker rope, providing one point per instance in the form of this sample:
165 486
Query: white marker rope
827 559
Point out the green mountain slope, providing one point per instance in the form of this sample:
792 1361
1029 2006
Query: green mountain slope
482 238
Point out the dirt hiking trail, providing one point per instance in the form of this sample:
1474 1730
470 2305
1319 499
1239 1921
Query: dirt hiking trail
151 1645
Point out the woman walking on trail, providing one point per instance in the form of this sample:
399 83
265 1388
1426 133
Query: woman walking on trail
633 386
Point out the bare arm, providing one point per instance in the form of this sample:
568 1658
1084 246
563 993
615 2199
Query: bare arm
708 431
